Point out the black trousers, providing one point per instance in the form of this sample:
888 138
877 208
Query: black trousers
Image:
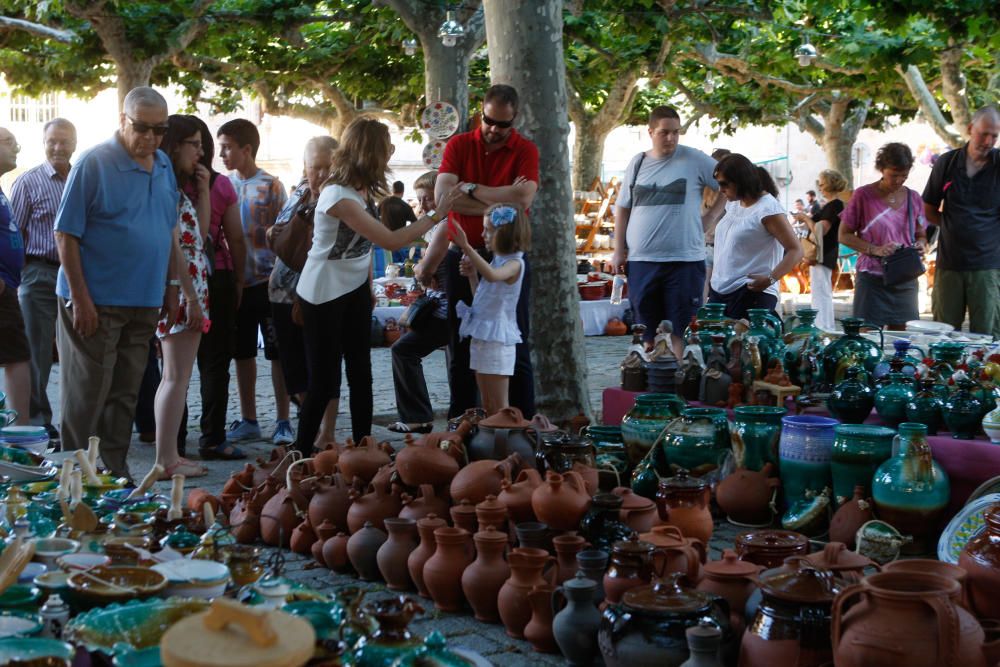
215 352
739 301
462 379
336 331
145 417
412 400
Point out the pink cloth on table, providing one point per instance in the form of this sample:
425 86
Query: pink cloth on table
868 216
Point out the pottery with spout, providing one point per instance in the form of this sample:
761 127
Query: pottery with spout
330 502
375 506
363 459
516 495
428 502
483 478
561 501
748 497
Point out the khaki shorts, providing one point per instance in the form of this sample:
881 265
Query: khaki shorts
975 291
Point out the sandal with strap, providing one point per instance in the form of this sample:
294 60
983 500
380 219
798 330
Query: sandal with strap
225 451
183 467
402 427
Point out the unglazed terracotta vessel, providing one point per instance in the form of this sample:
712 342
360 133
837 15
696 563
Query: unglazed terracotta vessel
362 549
567 547
538 631
749 497
303 537
443 571
491 512
418 557
483 579
324 532
375 506
516 496
981 559
482 478
561 501
637 512
431 461
527 567
677 553
392 555
363 459
734 580
335 553
330 502
850 516
683 501
428 502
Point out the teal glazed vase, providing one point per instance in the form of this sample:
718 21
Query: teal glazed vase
646 420
911 491
711 319
768 328
947 356
697 441
851 349
804 450
852 400
963 412
804 337
891 399
927 406
756 429
858 451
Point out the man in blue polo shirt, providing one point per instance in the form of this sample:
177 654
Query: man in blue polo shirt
115 233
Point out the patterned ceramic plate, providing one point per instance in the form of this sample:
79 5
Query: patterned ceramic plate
965 525
433 153
439 120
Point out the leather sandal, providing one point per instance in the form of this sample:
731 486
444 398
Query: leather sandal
225 451
403 427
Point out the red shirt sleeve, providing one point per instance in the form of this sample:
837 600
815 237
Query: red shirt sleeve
527 161
454 155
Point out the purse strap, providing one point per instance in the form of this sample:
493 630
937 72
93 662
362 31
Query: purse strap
909 218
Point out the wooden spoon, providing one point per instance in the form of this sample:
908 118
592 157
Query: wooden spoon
176 510
93 450
87 467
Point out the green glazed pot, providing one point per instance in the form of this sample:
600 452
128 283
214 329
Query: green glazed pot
768 329
926 408
646 420
712 319
858 451
852 400
911 490
851 349
804 336
947 355
756 429
963 412
697 441
891 399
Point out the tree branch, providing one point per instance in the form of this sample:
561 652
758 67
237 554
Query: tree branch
10 23
953 87
739 69
928 105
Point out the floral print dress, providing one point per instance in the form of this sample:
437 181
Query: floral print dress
193 249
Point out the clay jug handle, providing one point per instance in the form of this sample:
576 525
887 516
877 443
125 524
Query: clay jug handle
837 612
559 592
948 636
673 531
690 555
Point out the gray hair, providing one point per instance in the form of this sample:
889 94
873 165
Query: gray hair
143 96
322 144
988 111
61 123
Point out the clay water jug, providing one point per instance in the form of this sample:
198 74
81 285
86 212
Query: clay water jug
335 553
362 549
567 547
502 434
683 501
330 502
392 555
516 495
562 501
375 506
749 497
235 486
324 532
981 560
418 557
280 514
677 553
363 459
482 478
527 567
491 512
443 571
325 461
575 626
303 537
275 465
734 580
428 502
431 461
637 512
483 579
538 631
244 520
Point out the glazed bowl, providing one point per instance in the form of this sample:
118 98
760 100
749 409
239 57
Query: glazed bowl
121 549
194 578
19 624
102 585
55 582
35 652
49 550
82 561
592 291
21 597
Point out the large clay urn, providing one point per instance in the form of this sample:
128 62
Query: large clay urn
418 557
392 555
428 502
335 553
431 461
538 631
303 537
527 570
516 495
362 549
561 501
443 571
482 581
363 459
375 506
482 478
330 502
748 497
324 532
981 559
734 580
905 618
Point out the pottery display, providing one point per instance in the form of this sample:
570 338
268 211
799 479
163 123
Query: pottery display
749 498
963 411
734 580
769 548
940 568
538 631
755 433
483 579
430 461
394 553
324 531
479 479
516 495
428 502
375 506
527 570
362 548
892 398
603 526
911 490
769 331
502 434
981 559
805 450
575 626
442 573
927 407
850 516
363 459
683 501
567 546
561 501
711 319
852 399
858 451
851 349
644 423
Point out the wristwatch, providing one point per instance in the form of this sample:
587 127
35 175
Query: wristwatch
469 189
173 283
433 216
771 279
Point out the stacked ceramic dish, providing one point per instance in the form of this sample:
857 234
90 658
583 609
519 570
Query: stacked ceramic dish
33 439
194 578
968 522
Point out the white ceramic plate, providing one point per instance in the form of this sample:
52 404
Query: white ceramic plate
194 578
14 624
929 326
434 153
964 526
439 120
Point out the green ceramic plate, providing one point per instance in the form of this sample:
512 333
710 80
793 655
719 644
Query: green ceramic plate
326 617
296 593
136 624
19 624
33 648
21 597
964 526
128 657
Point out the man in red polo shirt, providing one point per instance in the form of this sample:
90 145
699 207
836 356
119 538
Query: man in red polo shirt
493 164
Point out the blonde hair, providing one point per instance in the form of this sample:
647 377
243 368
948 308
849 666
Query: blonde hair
426 181
362 159
514 236
833 181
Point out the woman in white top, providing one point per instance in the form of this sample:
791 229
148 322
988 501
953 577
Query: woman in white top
754 243
334 286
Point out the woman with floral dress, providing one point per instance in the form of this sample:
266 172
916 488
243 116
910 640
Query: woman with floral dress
179 339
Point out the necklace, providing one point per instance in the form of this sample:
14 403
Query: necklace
889 196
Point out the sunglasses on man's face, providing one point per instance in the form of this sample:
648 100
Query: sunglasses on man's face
493 122
143 128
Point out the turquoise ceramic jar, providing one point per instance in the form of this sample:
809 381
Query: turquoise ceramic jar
756 429
891 399
768 329
858 451
852 400
804 449
698 440
963 412
804 338
849 350
926 407
646 420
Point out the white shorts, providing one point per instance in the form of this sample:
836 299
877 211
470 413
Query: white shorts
491 357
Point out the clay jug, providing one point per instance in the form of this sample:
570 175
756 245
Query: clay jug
680 553
362 548
562 501
683 501
631 565
482 478
748 497
482 581
538 631
392 555
363 459
263 493
516 496
330 502
324 532
637 512
527 567
734 580
275 465
235 486
198 497
502 434
491 512
375 506
575 627
418 557
428 502
335 553
384 478
325 461
850 516
303 537
463 515
280 516
443 571
567 547
907 619
940 568
981 559
431 461
244 521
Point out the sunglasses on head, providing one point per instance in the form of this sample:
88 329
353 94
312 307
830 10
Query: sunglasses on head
493 122
143 128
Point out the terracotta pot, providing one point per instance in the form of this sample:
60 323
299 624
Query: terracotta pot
747 497
516 496
428 502
275 466
527 570
683 501
384 478
443 571
362 549
375 506
325 462
734 580
263 493
677 553
844 563
245 522
637 512
280 516
235 486
330 502
198 497
335 553
567 547
483 579
363 460
631 565
463 515
917 611
324 532
770 548
418 557
850 516
303 537
562 501
538 631
392 555
591 477
491 512
940 568
431 461
981 559
615 327
482 478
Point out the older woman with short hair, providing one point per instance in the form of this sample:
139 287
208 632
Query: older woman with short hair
826 225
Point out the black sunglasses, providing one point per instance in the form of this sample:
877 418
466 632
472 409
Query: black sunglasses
143 128
502 124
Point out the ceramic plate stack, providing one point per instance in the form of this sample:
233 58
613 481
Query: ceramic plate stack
33 439
439 120
26 473
661 376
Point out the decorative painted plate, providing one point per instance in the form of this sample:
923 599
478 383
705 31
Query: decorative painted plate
136 624
33 648
439 120
434 153
964 526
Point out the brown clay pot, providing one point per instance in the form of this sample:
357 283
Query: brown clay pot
237 483
482 478
615 327
363 459
770 548
428 502
463 515
683 501
392 555
303 537
516 496
330 502
324 532
491 512
538 631
981 559
483 579
198 497
747 496
844 563
677 553
263 493
335 553
419 556
590 476
375 506
527 567
630 565
933 566
280 517
562 501
637 512
567 547
431 461
734 580
850 516
244 521
275 466
443 571
325 462
362 549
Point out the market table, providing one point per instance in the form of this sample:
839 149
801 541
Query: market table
968 463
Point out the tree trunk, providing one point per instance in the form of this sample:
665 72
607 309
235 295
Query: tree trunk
526 51
844 121
588 154
446 74
131 74
953 136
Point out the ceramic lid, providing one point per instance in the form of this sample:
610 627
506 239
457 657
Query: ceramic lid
632 500
683 481
703 637
633 545
464 507
731 566
507 418
836 556
490 534
772 540
800 581
666 596
580 582
490 504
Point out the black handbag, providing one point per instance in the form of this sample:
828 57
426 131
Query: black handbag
906 263
417 313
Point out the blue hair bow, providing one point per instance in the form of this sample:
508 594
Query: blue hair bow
502 215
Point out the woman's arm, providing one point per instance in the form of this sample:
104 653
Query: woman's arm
778 226
203 204
811 224
853 240
507 273
357 218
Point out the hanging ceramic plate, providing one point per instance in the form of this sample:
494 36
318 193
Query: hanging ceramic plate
964 526
433 153
439 120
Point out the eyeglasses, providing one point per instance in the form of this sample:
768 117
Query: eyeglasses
193 143
722 184
143 128
493 122
12 142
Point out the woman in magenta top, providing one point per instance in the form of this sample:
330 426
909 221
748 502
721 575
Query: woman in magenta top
881 217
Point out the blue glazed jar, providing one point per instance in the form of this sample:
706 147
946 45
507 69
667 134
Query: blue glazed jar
891 399
963 412
805 450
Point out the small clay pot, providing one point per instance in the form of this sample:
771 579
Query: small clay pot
325 462
419 556
392 555
428 502
516 496
463 515
637 512
335 553
747 496
362 460
324 532
562 501
362 549
567 547
491 512
303 537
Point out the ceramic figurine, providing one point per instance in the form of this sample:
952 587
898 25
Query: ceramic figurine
662 345
776 374
693 354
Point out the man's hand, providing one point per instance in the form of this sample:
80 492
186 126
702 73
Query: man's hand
171 302
758 282
84 317
618 260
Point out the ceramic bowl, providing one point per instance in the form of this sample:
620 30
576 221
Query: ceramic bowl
30 571
19 624
21 597
35 651
55 582
121 549
49 550
82 561
194 578
100 586
138 624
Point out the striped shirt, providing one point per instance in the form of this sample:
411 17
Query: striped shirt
35 199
